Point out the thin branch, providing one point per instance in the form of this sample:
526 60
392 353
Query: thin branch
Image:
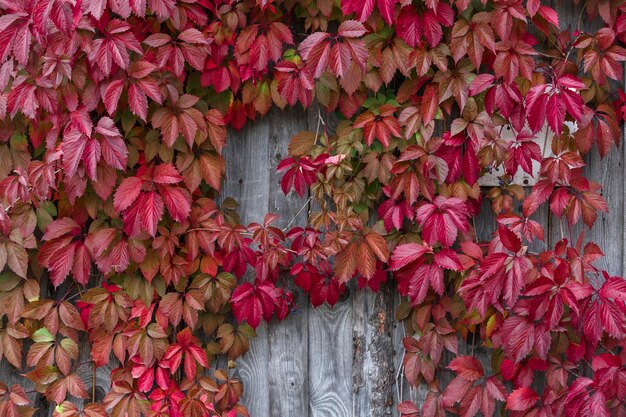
293 219
543 54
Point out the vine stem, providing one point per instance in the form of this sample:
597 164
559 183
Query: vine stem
543 54
93 382
293 219
580 15
400 368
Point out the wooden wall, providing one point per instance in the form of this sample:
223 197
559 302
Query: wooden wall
346 361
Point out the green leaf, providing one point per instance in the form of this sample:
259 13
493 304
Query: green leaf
9 281
43 335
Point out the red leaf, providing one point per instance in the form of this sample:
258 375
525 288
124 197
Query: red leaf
405 254
166 174
521 399
481 83
112 95
150 210
127 193
251 303
408 26
442 219
408 409
177 201
467 367
509 239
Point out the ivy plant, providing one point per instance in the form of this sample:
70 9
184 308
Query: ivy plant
113 120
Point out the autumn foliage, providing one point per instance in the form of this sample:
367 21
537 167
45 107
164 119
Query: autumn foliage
113 122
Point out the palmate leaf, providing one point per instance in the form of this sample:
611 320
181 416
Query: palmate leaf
251 303
320 51
442 219
102 145
363 10
361 255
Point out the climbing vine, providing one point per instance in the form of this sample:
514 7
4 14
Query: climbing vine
113 123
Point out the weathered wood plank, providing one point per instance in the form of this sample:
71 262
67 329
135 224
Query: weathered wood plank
248 181
330 360
373 359
332 346
275 369
608 231
403 391
288 340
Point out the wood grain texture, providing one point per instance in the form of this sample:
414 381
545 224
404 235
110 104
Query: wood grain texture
402 390
330 360
373 359
608 231
274 371
248 181
288 340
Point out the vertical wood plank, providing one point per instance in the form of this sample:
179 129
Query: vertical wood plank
623 173
608 231
248 182
403 391
331 343
288 365
373 359
330 360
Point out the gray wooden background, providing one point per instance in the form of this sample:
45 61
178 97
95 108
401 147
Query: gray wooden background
344 361
347 360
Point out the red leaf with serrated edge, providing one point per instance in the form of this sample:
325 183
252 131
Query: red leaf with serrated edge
316 49
481 83
177 201
387 9
351 29
448 259
82 264
166 174
434 21
442 219
217 129
127 193
150 211
61 264
186 350
409 26
614 288
408 409
300 173
509 239
549 14
405 254
467 367
112 95
252 303
137 101
552 101
430 103
521 399
61 227
362 9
